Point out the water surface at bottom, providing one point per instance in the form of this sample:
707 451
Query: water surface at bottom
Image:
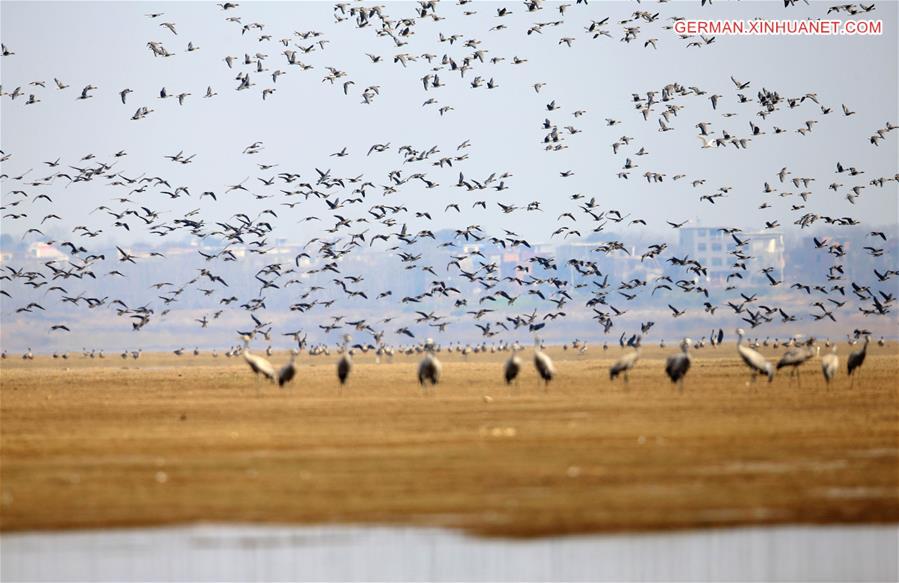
212 552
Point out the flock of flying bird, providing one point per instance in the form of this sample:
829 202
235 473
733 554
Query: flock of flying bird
359 223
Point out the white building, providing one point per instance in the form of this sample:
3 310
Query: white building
714 248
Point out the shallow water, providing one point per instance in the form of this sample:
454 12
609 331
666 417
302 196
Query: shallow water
341 553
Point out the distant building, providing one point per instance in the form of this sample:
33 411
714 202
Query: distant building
514 258
767 250
713 248
39 250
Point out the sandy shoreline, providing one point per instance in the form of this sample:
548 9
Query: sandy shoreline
169 441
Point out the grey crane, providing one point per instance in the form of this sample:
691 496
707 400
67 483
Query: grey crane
677 365
624 365
795 357
429 368
288 371
755 361
830 364
257 364
512 368
857 359
345 364
544 365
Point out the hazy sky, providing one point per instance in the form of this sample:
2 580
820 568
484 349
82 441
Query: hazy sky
305 120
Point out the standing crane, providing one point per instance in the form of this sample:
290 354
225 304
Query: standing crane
512 367
830 364
544 365
755 361
625 364
288 371
857 359
795 357
429 368
677 365
257 364
345 364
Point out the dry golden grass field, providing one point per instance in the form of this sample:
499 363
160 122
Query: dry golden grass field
92 443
